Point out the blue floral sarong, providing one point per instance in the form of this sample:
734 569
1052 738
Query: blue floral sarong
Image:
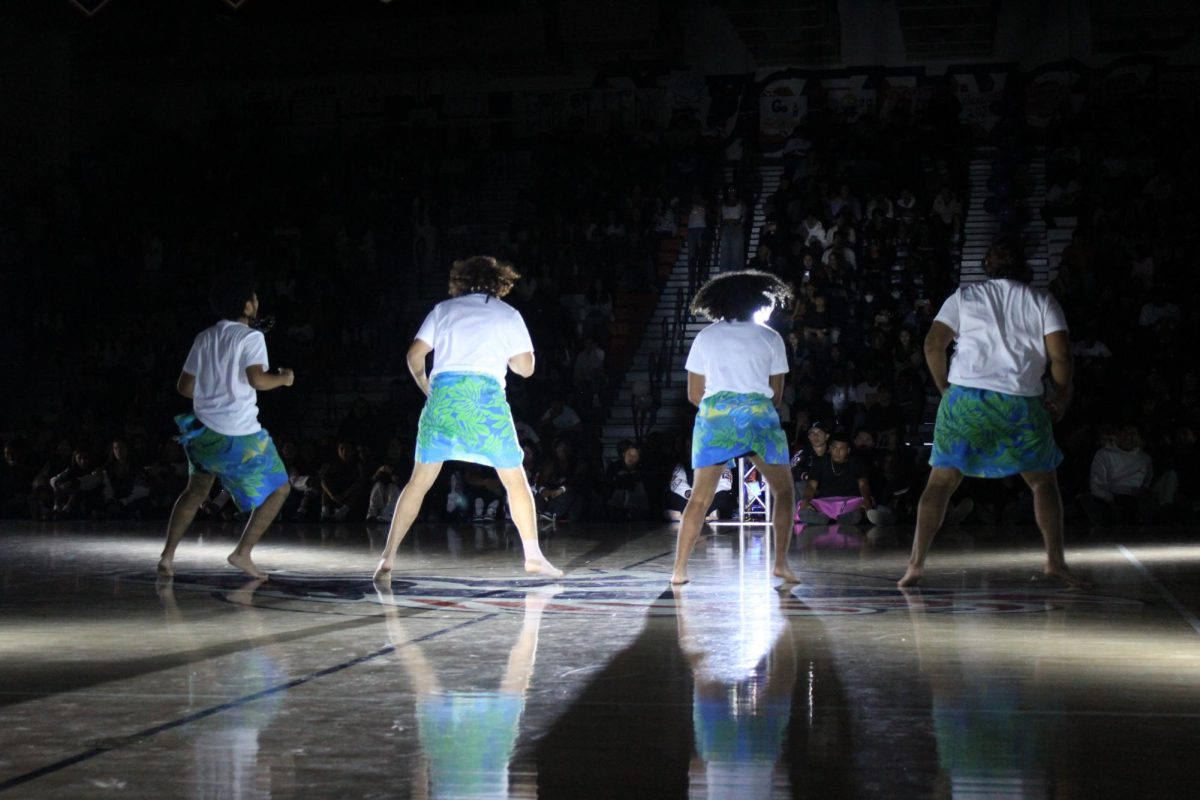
467 418
730 425
249 466
986 434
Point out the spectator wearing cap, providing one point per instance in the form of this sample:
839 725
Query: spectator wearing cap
837 489
808 455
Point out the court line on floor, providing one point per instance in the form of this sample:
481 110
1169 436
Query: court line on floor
136 738
1188 616
647 560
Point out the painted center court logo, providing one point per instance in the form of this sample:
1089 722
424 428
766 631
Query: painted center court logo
622 593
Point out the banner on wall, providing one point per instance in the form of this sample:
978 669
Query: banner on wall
980 92
851 95
782 107
1053 91
896 98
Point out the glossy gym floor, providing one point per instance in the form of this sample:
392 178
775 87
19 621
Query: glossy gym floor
466 678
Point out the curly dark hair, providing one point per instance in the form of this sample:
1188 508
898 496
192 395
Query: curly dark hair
482 274
736 296
1006 259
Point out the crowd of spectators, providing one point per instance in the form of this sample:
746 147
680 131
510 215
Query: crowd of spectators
865 225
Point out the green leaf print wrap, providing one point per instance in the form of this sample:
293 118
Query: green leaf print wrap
730 425
248 466
986 434
467 418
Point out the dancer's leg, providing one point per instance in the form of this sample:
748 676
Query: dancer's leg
407 508
704 488
931 511
1047 508
779 478
198 486
260 519
524 516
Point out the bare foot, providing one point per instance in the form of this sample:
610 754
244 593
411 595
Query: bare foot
679 578
786 573
912 576
244 594
166 567
540 566
1066 576
383 572
537 598
246 565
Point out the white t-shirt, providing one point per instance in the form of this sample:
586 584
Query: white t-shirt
223 399
737 357
1000 327
474 333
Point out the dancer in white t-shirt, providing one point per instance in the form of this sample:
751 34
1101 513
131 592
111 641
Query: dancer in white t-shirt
736 369
475 338
993 419
225 370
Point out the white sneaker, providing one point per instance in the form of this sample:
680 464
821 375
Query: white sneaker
881 516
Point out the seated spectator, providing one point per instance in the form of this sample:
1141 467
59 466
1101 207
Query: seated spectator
16 483
806 456
386 485
301 504
810 231
59 459
485 494
125 488
907 206
166 476
884 418
1119 485
344 488
559 419
947 211
1089 348
837 489
79 489
845 204
626 481
679 491
589 365
1158 309
552 493
845 398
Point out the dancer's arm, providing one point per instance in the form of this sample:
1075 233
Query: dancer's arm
695 388
264 381
936 341
522 364
186 385
1058 350
777 389
416 363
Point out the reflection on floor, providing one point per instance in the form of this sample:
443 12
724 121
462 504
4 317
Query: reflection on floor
467 678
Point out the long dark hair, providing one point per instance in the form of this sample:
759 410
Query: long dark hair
736 296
